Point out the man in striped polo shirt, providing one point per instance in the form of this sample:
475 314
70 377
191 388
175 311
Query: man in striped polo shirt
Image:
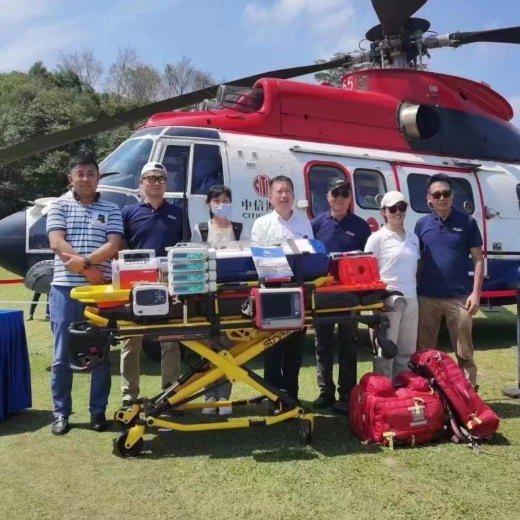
85 232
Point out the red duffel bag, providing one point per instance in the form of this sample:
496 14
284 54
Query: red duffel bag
405 412
472 418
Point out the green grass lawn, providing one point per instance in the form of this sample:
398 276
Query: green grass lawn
259 473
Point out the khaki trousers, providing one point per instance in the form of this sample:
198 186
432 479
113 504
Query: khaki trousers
459 323
403 332
131 365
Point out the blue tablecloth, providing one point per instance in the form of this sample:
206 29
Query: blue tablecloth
15 371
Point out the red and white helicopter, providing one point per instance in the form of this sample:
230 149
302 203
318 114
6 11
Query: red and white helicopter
390 126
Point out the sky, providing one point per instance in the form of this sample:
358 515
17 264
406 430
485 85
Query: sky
236 38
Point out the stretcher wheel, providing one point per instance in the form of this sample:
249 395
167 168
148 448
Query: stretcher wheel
305 432
134 451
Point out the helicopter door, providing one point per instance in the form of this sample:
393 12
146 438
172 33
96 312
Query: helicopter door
467 199
194 168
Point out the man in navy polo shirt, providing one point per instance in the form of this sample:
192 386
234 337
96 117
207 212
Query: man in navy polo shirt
340 231
447 238
150 224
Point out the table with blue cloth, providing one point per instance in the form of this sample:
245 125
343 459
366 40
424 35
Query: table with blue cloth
15 371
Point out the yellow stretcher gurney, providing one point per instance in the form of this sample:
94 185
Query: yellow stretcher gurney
198 321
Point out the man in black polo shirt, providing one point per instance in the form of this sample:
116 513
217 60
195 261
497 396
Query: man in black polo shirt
340 231
150 224
447 238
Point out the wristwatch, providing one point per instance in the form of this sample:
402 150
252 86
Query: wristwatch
87 264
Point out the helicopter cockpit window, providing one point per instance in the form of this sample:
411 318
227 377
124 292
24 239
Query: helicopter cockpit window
176 160
207 168
125 164
463 194
369 186
319 178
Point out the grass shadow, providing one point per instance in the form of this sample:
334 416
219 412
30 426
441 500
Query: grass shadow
331 438
25 421
506 409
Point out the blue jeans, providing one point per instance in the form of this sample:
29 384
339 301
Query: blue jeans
64 310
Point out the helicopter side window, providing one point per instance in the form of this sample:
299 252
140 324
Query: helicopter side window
319 177
463 194
518 194
369 186
207 168
176 160
124 164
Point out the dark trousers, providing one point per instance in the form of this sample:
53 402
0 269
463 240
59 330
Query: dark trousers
347 360
283 361
34 303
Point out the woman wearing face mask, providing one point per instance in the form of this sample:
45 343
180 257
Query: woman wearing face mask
218 230
397 253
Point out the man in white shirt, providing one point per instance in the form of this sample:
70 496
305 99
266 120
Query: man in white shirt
282 362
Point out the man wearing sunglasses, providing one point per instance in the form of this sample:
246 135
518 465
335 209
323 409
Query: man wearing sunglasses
447 238
150 224
340 231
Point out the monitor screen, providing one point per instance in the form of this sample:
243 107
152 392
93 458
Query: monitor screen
148 297
277 306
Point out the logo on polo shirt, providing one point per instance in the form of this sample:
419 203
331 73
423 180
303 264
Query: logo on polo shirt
350 233
100 218
457 229
173 217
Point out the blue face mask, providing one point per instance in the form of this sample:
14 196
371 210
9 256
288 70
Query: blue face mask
221 210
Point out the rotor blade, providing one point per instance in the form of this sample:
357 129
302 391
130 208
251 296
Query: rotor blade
57 139
393 13
508 35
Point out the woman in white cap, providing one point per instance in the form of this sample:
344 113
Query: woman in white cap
397 253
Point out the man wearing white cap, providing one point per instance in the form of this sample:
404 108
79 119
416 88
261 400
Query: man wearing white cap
150 224
397 253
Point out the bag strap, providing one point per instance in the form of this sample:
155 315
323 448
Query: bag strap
237 229
203 228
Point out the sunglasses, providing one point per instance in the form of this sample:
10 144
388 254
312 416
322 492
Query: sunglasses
156 179
438 194
401 206
344 194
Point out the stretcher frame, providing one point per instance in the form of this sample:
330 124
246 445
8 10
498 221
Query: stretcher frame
247 343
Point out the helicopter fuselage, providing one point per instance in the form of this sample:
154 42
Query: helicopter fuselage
384 130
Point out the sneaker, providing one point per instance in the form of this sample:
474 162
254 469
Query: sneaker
210 411
60 426
225 410
47 317
98 422
30 318
323 401
127 402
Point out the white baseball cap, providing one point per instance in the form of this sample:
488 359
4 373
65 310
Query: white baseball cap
391 198
154 167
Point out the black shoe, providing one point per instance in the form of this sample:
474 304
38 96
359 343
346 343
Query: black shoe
98 422
127 402
30 318
342 407
60 426
323 401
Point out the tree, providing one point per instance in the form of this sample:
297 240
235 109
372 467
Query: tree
182 77
144 84
84 64
120 73
332 76
34 104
